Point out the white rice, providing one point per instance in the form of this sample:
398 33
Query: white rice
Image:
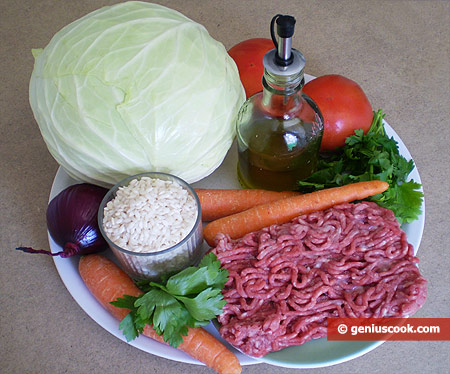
149 215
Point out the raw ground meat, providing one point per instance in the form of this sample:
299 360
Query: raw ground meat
352 260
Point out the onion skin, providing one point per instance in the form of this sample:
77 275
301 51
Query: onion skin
72 221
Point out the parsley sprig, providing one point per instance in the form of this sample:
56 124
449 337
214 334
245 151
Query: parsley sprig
371 156
191 298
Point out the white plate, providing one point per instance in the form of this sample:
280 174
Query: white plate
318 353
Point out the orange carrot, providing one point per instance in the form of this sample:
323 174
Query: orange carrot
107 282
218 203
282 211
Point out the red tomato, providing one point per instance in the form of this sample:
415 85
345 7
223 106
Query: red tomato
344 107
248 56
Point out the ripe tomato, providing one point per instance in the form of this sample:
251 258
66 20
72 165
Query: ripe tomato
344 107
248 56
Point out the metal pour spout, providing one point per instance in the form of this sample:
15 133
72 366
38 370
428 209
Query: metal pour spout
283 38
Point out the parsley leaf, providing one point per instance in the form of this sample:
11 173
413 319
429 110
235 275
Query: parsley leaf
128 327
206 305
193 280
132 325
190 298
371 156
125 301
403 199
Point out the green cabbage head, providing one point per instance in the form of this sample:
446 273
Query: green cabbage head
135 87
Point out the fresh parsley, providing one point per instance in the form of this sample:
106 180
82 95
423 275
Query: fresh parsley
371 156
190 298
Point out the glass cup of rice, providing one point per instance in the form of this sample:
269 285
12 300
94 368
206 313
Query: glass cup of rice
152 223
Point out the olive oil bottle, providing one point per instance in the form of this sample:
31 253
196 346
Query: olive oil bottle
279 130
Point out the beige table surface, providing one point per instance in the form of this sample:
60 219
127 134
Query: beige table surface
398 51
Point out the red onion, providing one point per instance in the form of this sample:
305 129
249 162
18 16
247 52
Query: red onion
72 221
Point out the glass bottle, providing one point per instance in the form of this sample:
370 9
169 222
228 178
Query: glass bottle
279 130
